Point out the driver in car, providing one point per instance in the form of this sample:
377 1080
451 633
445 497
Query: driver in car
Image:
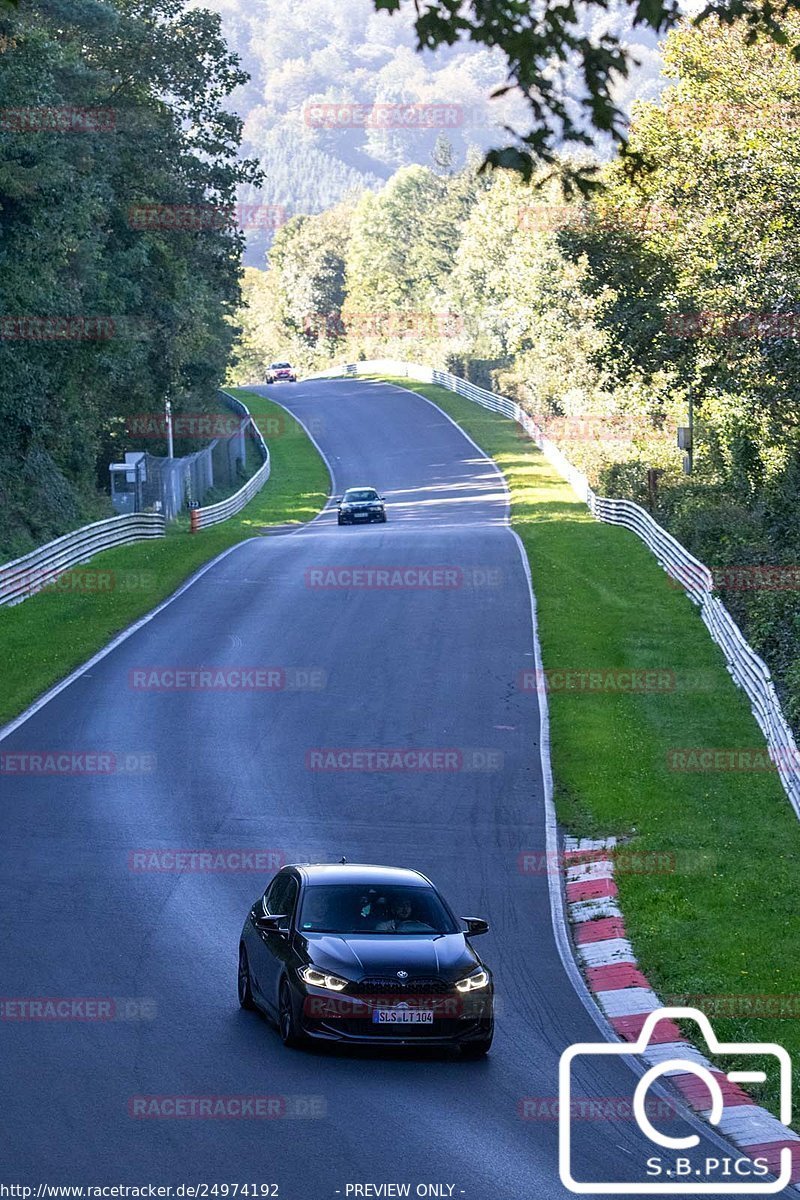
403 911
316 915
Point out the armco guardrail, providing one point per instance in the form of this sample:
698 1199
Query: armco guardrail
748 670
27 575
212 514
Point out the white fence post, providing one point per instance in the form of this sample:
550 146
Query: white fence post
746 668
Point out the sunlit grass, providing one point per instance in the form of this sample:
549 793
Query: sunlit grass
723 921
44 638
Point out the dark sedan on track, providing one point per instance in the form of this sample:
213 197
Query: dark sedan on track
365 954
360 505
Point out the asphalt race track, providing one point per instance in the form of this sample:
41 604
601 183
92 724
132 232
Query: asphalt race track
427 667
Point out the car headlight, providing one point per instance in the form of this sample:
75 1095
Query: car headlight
478 979
321 979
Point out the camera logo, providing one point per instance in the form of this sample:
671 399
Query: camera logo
667 1143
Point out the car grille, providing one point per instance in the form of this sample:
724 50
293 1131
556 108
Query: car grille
406 1033
398 987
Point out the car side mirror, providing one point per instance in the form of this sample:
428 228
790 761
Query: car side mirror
475 925
278 924
381 497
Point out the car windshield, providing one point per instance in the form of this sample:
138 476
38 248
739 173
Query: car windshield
275 366
361 494
362 908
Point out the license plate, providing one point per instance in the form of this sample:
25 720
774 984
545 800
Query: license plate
361 516
402 1016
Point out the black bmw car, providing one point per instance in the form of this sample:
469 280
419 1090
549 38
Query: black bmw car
360 505
352 953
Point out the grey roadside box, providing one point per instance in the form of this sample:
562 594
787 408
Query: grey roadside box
685 441
126 482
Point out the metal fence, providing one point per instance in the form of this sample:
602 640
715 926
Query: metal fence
212 514
45 566
168 485
746 668
42 567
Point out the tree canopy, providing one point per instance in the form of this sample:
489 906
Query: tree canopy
604 316
566 61
119 255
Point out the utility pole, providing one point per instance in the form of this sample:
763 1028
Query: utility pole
170 445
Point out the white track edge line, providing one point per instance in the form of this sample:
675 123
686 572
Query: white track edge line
327 507
118 639
557 909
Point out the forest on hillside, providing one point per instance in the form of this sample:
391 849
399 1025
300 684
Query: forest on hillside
604 317
313 53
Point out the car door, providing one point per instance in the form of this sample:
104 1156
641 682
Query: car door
273 947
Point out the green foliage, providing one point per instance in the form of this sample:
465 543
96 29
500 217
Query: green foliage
575 309
721 921
50 634
73 247
566 60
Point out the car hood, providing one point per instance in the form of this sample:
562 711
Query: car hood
355 956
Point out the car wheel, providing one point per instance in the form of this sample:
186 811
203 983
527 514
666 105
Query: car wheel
383 519
287 1022
245 991
339 521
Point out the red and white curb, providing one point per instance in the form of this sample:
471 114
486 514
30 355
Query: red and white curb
623 993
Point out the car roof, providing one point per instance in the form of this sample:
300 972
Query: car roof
361 487
314 873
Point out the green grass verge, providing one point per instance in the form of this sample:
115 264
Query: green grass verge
44 638
723 922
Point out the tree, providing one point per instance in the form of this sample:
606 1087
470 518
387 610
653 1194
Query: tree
401 257
149 300
540 41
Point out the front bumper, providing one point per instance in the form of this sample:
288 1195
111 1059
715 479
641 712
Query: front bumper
343 1017
362 517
